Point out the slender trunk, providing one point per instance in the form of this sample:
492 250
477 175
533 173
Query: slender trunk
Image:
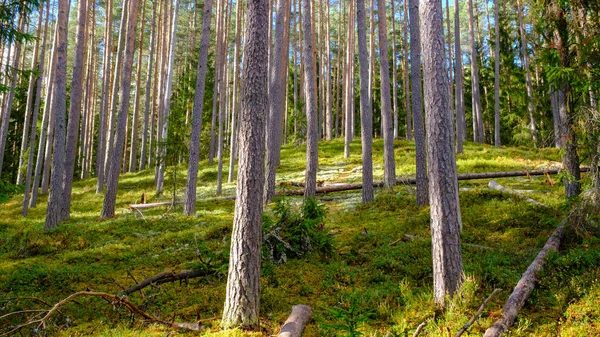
349 90
443 185
101 143
223 102
530 104
147 132
417 104
477 112
217 78
497 76
366 114
394 81
406 76
371 51
328 95
236 80
74 111
138 92
112 181
53 212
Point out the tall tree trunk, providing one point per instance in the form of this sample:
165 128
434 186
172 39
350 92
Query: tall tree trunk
477 110
530 104
30 98
497 76
417 104
103 114
405 73
222 101
147 132
277 84
443 184
74 110
394 82
366 114
112 181
11 94
459 91
310 93
217 77
189 207
53 212
371 51
34 118
243 280
349 87
389 165
167 100
328 95
236 89
138 92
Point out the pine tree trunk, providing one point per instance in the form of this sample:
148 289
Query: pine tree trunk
459 95
277 84
328 94
477 110
497 76
53 212
217 77
349 84
371 51
405 73
222 102
34 118
243 281
366 114
394 81
417 103
190 191
389 165
236 90
138 92
75 104
112 181
147 132
530 103
103 113
443 185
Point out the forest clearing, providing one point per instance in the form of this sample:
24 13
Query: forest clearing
294 168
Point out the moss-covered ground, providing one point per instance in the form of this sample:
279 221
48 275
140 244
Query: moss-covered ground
366 288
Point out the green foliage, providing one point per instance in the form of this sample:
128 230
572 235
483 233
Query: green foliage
348 315
292 234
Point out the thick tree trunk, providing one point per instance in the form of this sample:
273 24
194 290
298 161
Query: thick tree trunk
243 281
459 95
147 132
112 181
310 93
389 165
366 113
417 104
277 85
477 110
74 110
443 185
53 212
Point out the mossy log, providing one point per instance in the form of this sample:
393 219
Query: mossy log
294 325
525 285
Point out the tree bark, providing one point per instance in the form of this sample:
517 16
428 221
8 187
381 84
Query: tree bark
147 133
459 95
405 73
310 93
528 85
497 76
349 83
243 281
477 110
103 114
300 316
76 101
389 165
53 212
110 198
236 88
443 184
366 113
417 104
138 91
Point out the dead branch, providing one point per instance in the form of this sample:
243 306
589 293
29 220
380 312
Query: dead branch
114 299
494 185
166 277
525 285
477 314
420 327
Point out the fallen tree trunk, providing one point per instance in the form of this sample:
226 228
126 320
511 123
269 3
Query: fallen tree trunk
525 285
294 325
494 185
165 277
413 181
141 207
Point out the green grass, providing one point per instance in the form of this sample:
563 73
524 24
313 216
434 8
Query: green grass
367 286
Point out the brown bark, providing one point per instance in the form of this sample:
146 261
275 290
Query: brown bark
294 325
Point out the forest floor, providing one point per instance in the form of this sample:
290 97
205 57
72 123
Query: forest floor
366 287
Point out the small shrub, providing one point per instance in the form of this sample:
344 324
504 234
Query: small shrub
294 234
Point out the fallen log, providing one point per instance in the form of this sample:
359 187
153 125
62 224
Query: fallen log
525 285
294 325
165 277
141 207
413 181
494 185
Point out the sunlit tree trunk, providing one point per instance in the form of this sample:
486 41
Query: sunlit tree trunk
112 181
366 114
459 95
236 90
138 92
394 81
349 83
147 131
528 85
497 76
222 102
477 110
104 99
310 93
443 185
405 73
243 280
